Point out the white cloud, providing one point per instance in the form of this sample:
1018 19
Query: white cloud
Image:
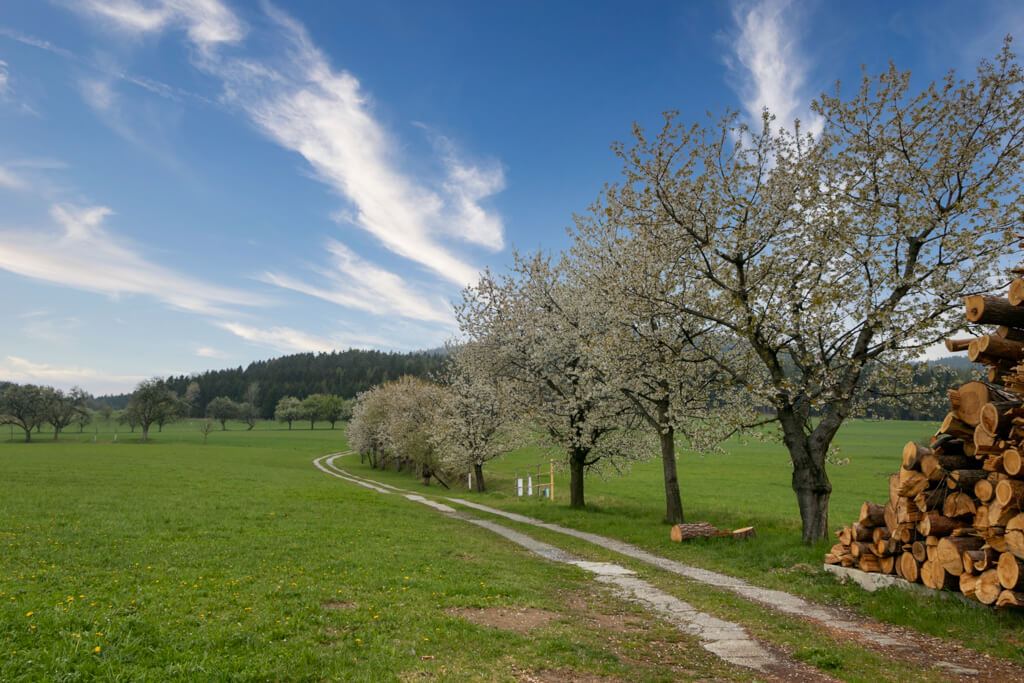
289 340
356 283
774 70
4 79
11 180
283 339
23 371
84 256
207 22
210 352
301 103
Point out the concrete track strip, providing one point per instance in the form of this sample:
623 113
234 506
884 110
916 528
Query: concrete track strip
727 640
911 645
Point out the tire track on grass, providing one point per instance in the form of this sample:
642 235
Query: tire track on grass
893 641
727 640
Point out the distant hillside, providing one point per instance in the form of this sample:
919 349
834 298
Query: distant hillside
344 373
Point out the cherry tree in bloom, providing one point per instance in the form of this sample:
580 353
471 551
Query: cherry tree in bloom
530 334
817 257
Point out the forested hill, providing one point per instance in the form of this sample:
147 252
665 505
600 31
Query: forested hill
343 373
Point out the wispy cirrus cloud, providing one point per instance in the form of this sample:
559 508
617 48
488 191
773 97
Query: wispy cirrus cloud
21 370
84 256
289 340
768 62
355 283
11 180
207 22
299 101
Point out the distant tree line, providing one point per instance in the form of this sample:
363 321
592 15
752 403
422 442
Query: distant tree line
340 373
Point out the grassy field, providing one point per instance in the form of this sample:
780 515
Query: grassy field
237 560
750 485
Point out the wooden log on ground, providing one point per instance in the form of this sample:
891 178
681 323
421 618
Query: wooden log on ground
859 549
988 588
887 564
934 575
880 533
907 513
993 310
984 442
949 552
956 427
985 558
1009 333
1016 294
993 463
1011 572
911 483
890 515
1010 598
1010 493
919 551
996 419
959 504
968 582
743 532
912 453
872 515
958 345
974 395
999 515
995 347
869 563
965 479
931 499
944 444
933 466
971 558
1013 463
935 523
684 532
981 518
1014 542
909 567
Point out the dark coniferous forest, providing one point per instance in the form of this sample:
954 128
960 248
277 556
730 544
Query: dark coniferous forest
342 373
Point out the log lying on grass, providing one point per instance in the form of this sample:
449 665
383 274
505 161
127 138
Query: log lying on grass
684 532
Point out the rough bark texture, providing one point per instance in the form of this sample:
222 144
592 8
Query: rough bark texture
673 501
478 476
810 481
577 459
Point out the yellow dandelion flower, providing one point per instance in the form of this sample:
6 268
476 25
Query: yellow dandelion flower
96 649
27 614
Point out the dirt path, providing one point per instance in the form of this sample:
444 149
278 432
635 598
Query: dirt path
898 643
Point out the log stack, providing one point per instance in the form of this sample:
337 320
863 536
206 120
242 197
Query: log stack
954 518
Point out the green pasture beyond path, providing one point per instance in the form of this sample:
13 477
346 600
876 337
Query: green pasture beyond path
236 559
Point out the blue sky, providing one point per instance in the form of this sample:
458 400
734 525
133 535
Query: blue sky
196 184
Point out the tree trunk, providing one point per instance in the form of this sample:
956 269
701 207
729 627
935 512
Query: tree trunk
289 425
577 458
311 425
667 436
28 434
478 475
810 482
56 433
145 432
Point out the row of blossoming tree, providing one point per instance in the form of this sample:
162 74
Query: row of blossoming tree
732 267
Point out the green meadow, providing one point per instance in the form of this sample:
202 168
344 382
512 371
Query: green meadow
235 559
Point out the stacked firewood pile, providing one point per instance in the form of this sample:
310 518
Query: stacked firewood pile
954 519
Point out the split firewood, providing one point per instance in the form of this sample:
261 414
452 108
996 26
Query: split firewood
993 310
